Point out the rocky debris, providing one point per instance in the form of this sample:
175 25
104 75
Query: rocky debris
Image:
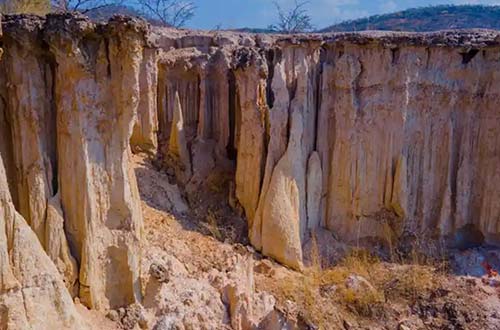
247 309
134 316
189 303
360 285
472 262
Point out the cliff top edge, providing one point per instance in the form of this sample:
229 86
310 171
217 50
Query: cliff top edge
78 23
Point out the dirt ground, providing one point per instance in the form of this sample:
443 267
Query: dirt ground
360 292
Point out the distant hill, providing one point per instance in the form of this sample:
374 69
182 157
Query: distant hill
105 13
252 30
427 19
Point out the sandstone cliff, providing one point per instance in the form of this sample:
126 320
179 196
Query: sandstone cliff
68 114
360 134
368 135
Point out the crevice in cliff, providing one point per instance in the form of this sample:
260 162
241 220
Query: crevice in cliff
272 56
318 95
456 138
469 55
395 52
108 59
52 143
231 147
427 57
6 149
356 89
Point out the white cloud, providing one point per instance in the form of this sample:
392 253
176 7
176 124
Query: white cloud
388 6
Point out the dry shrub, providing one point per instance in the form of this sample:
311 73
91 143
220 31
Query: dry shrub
212 226
218 182
319 293
38 7
410 282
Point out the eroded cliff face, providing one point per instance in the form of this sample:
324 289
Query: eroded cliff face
32 291
370 136
70 95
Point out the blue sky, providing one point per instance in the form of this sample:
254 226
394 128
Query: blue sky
261 13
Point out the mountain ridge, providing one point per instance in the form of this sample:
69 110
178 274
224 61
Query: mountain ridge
426 19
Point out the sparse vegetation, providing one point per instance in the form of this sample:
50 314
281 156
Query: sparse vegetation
174 13
294 20
361 284
83 6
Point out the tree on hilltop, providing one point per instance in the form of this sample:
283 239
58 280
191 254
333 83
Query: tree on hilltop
294 20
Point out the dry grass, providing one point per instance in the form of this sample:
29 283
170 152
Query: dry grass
38 7
212 226
317 290
218 182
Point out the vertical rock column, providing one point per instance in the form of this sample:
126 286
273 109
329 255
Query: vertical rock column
31 116
251 87
97 95
146 127
32 293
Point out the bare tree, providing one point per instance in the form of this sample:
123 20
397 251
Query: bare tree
83 6
174 13
294 20
39 7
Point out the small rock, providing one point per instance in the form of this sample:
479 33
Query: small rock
121 312
113 315
347 325
159 272
328 290
135 315
264 267
360 284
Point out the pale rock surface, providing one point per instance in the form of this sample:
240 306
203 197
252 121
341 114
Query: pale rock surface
32 151
251 131
175 300
144 135
57 247
247 308
178 148
96 102
278 121
281 234
32 292
188 304
399 124
314 185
